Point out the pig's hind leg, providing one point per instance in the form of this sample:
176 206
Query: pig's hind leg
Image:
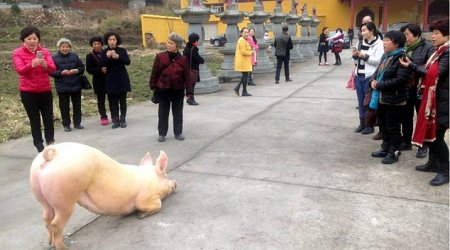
62 215
147 207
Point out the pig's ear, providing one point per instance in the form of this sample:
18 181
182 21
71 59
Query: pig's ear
147 160
161 163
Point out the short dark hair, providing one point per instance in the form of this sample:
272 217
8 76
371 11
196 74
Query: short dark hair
95 39
413 28
396 37
339 29
441 25
285 28
244 28
324 28
25 32
109 34
371 27
193 37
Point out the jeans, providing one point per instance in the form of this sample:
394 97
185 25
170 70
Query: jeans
362 86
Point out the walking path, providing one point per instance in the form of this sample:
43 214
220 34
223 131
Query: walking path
282 169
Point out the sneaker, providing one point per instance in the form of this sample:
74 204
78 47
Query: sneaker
367 130
161 138
321 64
326 64
422 152
179 137
104 121
123 124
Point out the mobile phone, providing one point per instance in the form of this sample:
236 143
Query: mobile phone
39 55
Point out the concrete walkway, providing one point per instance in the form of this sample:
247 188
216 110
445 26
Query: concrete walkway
282 169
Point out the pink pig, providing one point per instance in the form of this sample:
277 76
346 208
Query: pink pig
67 173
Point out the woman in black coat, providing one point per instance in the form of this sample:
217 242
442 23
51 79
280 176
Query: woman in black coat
117 81
391 82
194 60
98 72
69 68
323 46
433 117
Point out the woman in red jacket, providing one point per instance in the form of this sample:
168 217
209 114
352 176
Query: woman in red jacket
169 80
33 64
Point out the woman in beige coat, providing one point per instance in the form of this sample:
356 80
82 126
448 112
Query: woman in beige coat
243 62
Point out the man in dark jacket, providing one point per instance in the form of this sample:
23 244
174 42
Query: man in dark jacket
418 50
283 45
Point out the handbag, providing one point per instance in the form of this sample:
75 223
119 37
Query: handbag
85 82
351 85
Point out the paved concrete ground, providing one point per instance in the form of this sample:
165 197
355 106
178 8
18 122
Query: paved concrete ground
280 170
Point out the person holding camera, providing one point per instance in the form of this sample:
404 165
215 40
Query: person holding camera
33 63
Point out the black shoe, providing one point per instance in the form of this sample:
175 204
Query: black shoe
391 158
40 148
161 138
246 94
440 179
251 84
405 146
276 81
422 152
236 91
191 101
115 125
78 126
359 128
380 154
123 124
378 136
427 167
179 137
367 130
67 128
289 80
50 142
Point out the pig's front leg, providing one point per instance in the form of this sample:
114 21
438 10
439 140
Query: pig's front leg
148 206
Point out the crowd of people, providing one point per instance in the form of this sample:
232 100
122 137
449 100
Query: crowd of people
394 74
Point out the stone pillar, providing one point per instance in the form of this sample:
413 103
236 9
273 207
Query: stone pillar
231 17
277 19
305 20
258 17
292 20
313 32
195 15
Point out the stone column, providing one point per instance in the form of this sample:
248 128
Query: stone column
258 17
231 17
292 20
277 19
305 20
195 15
313 32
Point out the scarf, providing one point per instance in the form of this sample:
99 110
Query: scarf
412 47
381 69
426 118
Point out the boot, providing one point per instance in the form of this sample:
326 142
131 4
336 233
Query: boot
250 80
191 100
391 157
123 122
244 90
236 89
115 122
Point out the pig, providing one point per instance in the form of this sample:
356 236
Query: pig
68 173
